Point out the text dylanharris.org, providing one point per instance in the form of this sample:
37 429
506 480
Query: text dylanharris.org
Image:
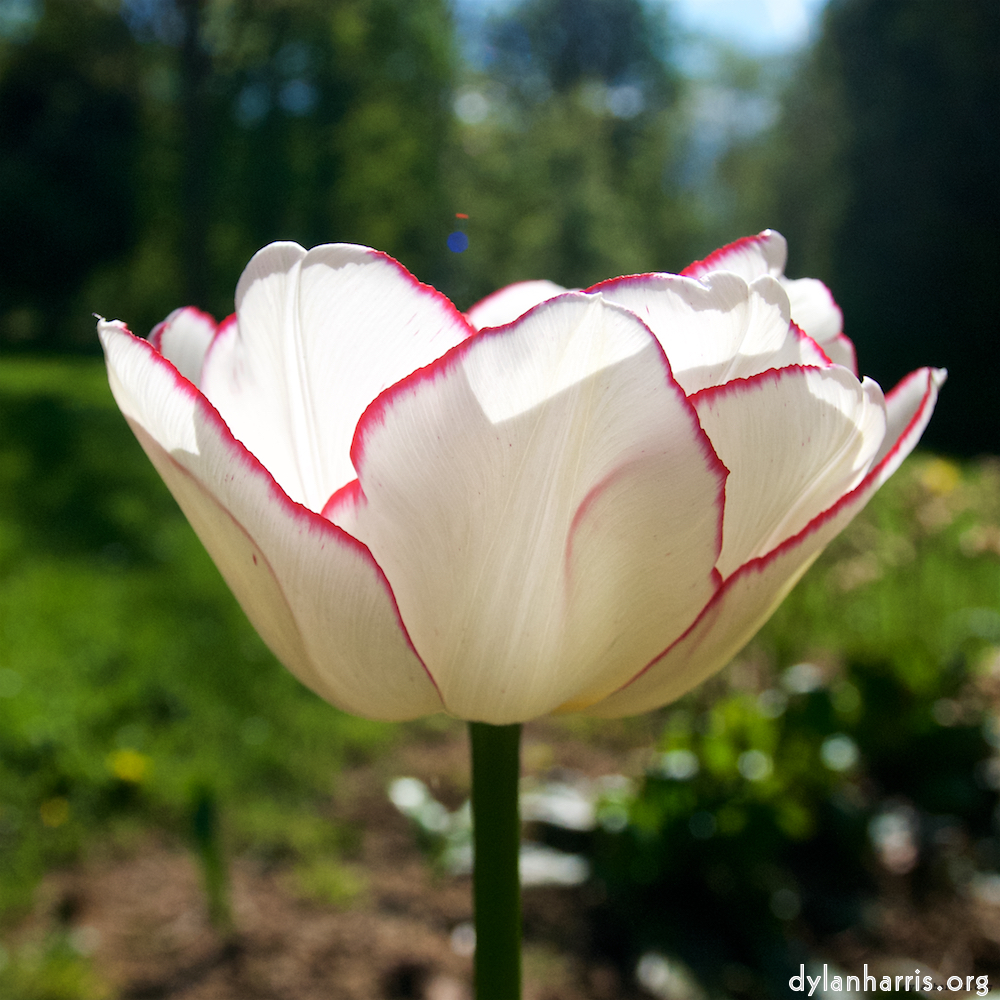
918 982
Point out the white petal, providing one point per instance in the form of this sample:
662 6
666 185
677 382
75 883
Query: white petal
736 613
546 507
319 336
751 257
812 305
183 338
840 350
718 328
750 596
505 305
814 309
795 441
314 594
909 406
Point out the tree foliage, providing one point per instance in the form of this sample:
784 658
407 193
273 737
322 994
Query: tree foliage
885 181
564 160
69 130
570 41
151 146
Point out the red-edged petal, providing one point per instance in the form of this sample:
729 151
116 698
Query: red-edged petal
718 328
183 338
750 257
795 441
546 506
314 594
506 304
909 405
814 308
812 305
319 335
751 595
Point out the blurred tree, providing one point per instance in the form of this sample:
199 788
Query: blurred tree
199 130
570 41
567 139
883 174
69 126
342 117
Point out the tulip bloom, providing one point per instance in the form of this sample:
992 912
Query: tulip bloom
561 501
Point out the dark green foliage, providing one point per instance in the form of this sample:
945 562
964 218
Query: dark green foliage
69 136
341 112
149 149
727 873
885 183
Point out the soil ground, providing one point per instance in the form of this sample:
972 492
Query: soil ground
143 918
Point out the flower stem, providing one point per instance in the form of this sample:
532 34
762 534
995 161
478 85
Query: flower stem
496 890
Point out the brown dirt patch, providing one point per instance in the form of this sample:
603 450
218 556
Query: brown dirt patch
143 912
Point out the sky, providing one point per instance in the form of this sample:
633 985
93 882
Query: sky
758 27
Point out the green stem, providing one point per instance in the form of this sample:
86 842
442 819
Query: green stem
496 825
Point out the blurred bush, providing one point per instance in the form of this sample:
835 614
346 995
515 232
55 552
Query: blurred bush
54 969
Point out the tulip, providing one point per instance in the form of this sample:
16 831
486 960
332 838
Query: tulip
561 501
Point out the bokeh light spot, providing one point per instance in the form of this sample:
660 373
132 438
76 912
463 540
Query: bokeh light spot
128 765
